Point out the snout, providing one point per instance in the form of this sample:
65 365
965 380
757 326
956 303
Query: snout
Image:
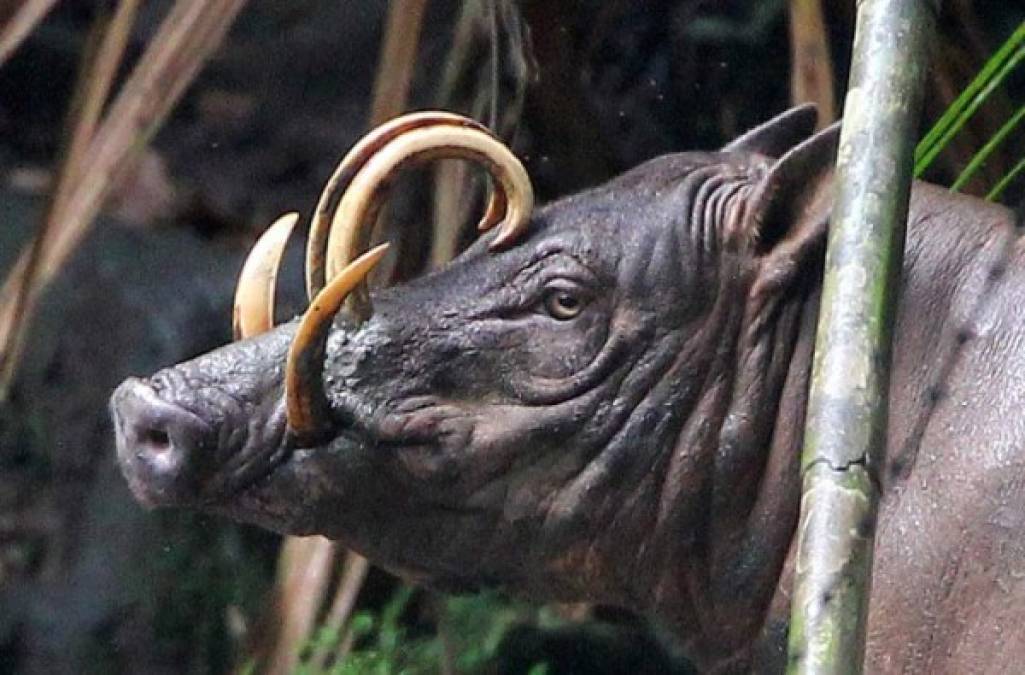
160 445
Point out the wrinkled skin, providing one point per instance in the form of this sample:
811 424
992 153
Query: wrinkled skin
610 411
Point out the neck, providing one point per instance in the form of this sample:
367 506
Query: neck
729 600
749 506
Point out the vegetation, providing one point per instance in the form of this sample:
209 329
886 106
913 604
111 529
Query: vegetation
992 75
387 643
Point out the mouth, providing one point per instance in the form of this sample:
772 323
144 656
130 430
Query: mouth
297 490
264 470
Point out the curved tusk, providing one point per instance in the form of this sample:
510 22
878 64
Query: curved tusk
359 206
353 161
308 409
254 296
494 212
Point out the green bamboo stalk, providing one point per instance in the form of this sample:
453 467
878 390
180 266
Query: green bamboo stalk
845 429
983 154
1002 184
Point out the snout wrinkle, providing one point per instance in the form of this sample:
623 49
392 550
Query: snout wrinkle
172 455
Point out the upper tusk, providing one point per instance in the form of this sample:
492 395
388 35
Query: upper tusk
254 296
351 225
309 412
494 212
353 161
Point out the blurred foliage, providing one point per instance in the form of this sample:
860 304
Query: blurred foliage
204 574
390 641
415 632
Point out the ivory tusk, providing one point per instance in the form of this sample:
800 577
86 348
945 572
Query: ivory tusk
308 409
359 206
254 296
354 160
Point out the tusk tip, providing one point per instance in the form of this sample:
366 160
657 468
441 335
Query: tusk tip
377 252
292 217
253 310
507 234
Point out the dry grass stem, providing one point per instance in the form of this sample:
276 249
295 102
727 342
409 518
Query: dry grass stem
453 192
296 616
186 38
474 86
95 83
21 22
398 60
396 66
103 54
354 574
811 68
304 573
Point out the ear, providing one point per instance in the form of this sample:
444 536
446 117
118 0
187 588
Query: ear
789 209
782 132
796 193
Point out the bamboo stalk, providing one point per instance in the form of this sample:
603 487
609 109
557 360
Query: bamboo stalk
845 428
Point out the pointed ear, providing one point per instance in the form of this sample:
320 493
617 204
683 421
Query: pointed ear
791 202
782 132
788 217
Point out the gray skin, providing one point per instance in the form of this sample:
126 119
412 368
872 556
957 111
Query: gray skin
610 411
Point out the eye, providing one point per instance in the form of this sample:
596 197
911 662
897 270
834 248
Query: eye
562 304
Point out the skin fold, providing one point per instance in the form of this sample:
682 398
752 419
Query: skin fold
610 410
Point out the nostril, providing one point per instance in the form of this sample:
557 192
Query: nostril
149 426
155 440
160 444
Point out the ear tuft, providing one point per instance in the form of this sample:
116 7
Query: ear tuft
778 135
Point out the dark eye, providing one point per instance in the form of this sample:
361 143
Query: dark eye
563 305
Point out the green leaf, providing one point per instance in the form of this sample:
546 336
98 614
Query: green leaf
1002 184
960 111
982 155
361 624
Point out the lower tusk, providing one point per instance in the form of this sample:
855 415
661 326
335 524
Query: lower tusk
308 409
254 296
